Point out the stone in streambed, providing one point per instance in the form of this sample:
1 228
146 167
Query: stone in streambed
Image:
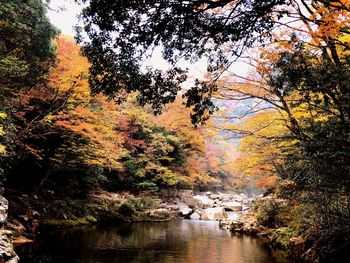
159 214
232 206
3 209
198 201
7 254
225 224
214 196
182 209
195 216
185 211
214 214
190 201
203 201
225 197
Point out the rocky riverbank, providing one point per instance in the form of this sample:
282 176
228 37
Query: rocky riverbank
27 214
280 238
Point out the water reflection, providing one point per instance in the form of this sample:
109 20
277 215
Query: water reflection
182 241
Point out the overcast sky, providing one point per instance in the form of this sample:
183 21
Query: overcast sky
64 19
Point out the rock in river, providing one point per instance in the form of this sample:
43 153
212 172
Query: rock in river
232 206
7 254
195 216
214 214
203 201
160 214
3 210
185 211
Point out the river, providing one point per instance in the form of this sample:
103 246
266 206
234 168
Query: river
177 241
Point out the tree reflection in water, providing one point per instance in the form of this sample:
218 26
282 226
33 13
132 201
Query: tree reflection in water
181 241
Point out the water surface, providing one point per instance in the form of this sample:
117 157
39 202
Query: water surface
178 241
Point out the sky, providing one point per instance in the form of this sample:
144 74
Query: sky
64 19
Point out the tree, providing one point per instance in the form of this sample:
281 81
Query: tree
26 54
36 108
26 48
261 153
303 79
194 142
35 137
91 145
123 34
70 74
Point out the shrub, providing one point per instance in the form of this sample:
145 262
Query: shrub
267 213
131 206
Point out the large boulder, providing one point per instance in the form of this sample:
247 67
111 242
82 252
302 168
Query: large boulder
214 196
241 198
225 197
198 201
217 203
214 214
190 201
3 210
178 210
183 209
232 206
159 214
203 201
7 254
195 216
183 194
